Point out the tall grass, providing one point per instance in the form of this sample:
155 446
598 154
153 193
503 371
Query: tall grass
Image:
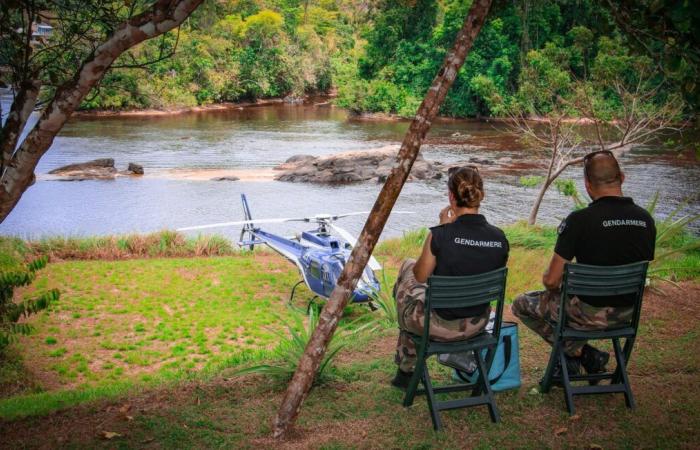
384 300
160 244
520 234
408 246
677 250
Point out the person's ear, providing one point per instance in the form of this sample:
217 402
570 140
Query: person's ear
622 177
451 198
589 189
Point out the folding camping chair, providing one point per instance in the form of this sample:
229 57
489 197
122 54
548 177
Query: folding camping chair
456 292
596 281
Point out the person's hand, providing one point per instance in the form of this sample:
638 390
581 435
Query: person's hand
447 215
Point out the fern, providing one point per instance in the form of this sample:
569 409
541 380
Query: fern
10 311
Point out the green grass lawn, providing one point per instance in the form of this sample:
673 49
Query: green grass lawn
137 328
138 319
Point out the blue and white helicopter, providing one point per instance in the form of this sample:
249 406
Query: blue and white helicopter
319 256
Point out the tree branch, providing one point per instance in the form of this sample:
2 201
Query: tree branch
19 174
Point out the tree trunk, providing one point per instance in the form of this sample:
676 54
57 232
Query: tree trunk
21 109
300 385
538 201
19 172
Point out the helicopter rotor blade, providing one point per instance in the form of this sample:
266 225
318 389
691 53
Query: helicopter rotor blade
360 213
281 220
372 263
241 222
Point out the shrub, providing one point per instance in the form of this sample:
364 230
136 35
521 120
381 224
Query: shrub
11 312
292 344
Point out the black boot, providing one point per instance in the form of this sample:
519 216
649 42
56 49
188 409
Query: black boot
573 367
593 360
401 379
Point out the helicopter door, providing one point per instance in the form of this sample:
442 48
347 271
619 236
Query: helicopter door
327 282
315 279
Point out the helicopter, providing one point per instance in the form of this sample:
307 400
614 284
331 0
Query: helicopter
319 255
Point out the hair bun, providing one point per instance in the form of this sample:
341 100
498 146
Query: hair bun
467 187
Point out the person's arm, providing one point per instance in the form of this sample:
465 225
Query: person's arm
569 234
552 276
426 262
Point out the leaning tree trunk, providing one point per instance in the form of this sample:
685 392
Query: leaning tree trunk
21 109
538 201
18 173
309 363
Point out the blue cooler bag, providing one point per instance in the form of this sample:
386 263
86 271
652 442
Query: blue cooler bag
505 368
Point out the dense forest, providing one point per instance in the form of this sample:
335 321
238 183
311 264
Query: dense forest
380 56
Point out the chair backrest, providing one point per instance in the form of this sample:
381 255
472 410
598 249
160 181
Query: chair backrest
467 291
604 281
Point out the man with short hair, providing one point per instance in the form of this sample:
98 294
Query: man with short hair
611 231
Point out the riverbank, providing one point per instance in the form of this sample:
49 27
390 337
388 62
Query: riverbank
97 114
320 100
147 348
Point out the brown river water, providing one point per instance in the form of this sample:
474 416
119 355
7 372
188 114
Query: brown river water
181 153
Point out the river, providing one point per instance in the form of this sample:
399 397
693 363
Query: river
262 137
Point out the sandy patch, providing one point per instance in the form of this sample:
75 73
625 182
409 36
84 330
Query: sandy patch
209 174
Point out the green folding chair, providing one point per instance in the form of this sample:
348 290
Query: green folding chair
596 281
457 292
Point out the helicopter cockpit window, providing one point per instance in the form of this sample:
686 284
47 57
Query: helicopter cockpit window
315 269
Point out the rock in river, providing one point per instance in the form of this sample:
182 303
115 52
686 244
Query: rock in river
226 178
98 169
351 167
136 169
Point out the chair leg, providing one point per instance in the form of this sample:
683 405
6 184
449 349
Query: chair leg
483 381
627 352
430 397
566 382
415 379
546 382
621 372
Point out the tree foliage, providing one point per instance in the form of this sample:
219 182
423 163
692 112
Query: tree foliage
381 56
236 51
12 312
526 48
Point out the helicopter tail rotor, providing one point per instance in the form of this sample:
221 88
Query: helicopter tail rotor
249 227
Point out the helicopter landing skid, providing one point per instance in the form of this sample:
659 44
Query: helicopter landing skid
294 288
371 305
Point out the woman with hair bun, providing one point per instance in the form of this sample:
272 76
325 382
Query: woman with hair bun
464 243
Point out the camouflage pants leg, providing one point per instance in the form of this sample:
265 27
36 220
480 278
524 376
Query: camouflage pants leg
535 308
410 305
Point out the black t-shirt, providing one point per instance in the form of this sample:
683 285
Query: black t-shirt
467 246
611 231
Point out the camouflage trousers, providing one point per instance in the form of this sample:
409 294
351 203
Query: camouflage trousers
410 306
535 308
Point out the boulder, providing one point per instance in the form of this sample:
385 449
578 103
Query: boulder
136 169
227 178
351 167
296 161
98 169
481 161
